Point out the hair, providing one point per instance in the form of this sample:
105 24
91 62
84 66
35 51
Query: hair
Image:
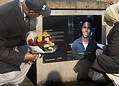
85 22
82 23
111 15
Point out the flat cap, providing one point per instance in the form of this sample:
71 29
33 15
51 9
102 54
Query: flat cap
39 6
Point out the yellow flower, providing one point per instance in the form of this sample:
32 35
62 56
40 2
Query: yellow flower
50 48
50 43
47 39
39 38
45 34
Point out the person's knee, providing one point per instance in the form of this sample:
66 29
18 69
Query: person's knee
82 77
12 75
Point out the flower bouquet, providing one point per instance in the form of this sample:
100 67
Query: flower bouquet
41 43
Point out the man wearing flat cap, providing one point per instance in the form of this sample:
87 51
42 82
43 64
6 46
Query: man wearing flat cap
14 16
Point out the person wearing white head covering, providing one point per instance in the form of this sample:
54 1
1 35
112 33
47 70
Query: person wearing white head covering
108 61
112 14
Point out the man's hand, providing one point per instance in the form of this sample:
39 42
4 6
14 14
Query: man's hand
31 56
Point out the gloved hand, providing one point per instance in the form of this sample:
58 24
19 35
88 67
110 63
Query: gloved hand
99 52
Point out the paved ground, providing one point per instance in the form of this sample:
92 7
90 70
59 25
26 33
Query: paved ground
27 82
81 83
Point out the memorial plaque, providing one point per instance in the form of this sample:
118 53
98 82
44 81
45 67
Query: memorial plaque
65 29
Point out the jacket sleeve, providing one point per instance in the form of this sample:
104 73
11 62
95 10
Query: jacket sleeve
108 64
8 55
74 47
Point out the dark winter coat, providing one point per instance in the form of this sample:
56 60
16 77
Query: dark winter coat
12 33
109 61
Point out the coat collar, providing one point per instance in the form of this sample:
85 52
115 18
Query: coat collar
80 39
112 31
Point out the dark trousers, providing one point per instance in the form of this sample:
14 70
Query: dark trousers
82 68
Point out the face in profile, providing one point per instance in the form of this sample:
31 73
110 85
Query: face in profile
28 11
86 28
32 14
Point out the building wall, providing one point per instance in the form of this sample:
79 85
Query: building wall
79 4
62 71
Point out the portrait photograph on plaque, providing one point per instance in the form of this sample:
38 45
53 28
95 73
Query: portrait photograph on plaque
66 29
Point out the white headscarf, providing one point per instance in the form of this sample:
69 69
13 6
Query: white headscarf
21 0
112 14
